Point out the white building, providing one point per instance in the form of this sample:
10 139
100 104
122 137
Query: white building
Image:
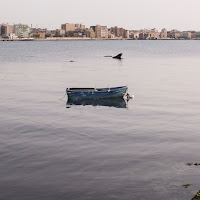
186 35
21 30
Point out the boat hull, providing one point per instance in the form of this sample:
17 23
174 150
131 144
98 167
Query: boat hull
112 102
98 93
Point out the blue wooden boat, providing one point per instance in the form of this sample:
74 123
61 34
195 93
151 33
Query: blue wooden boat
96 93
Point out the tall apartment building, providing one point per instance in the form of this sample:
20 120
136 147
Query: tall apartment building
6 29
119 32
21 30
101 32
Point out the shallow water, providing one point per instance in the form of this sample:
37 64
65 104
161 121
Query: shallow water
48 151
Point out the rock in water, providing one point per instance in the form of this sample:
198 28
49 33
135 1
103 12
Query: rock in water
119 56
187 185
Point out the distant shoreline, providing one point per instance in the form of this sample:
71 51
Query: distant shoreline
81 39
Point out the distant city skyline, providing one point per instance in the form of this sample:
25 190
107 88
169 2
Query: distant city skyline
129 14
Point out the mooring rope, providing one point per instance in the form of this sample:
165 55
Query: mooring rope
63 97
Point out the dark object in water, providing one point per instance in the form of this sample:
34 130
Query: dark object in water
119 56
114 102
196 164
96 93
197 196
186 185
107 56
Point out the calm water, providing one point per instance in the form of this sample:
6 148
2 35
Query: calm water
105 152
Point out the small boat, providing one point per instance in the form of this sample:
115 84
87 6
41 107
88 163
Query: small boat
96 93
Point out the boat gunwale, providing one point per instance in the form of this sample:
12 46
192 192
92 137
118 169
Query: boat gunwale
94 89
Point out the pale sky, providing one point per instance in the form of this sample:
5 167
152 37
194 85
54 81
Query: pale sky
129 14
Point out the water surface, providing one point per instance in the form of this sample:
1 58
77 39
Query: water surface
48 151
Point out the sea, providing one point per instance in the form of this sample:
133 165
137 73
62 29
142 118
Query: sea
51 149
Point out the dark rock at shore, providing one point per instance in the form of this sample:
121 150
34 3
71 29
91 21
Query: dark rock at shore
197 196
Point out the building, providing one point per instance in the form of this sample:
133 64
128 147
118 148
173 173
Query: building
174 34
119 32
38 33
153 34
126 34
186 35
60 33
133 34
21 30
198 35
79 26
6 29
91 33
111 35
163 34
101 32
93 27
68 27
193 34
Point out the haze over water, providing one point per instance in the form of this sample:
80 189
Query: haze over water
48 151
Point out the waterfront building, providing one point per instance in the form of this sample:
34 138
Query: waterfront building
38 33
193 34
153 34
12 36
119 32
163 34
60 33
197 35
146 34
101 32
111 35
6 29
91 33
21 30
185 35
126 34
134 34
142 36
50 33
174 34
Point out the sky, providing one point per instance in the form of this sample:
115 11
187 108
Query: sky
129 14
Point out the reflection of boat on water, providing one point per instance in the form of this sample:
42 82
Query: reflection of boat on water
96 93
115 102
